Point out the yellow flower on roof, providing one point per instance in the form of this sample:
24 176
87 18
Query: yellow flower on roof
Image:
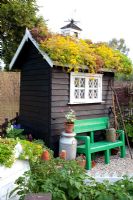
77 53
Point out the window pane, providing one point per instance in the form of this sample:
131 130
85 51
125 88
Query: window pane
76 94
82 94
90 83
90 94
76 82
82 82
95 94
95 83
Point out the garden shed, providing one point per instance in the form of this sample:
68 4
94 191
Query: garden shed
47 91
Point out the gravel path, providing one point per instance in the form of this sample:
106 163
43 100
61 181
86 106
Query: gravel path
117 167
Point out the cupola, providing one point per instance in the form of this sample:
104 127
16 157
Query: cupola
71 29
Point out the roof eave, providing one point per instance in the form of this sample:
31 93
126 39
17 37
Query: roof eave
84 67
27 37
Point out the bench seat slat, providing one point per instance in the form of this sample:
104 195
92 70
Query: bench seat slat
100 146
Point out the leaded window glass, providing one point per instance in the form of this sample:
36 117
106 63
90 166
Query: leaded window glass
85 88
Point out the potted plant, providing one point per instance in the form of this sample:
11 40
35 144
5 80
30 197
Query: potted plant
70 118
81 160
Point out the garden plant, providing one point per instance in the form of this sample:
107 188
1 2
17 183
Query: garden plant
66 180
129 127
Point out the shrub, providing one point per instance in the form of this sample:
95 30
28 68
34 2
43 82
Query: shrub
30 150
65 180
12 132
7 156
129 126
68 51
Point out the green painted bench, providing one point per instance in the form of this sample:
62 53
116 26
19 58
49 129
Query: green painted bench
90 147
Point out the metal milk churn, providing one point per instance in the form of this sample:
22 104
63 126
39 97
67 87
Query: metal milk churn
69 144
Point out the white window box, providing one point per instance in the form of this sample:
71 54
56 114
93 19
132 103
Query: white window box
85 88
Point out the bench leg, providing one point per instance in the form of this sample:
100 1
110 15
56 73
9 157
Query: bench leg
107 156
88 161
123 151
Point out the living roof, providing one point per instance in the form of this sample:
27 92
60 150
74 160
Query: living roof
76 54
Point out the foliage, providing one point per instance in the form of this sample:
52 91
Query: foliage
129 126
124 77
30 150
119 45
67 180
62 178
78 53
70 116
7 157
14 132
33 150
13 24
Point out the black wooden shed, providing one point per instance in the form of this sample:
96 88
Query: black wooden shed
46 92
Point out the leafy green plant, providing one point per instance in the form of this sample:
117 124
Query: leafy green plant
7 156
70 116
129 126
66 180
14 133
31 151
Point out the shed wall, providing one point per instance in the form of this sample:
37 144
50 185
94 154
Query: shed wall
35 95
60 99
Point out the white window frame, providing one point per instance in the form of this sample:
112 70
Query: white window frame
86 99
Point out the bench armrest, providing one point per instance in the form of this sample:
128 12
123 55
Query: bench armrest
86 139
122 135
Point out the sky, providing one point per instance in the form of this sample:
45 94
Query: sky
100 20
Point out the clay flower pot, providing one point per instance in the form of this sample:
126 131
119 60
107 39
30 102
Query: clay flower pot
69 127
81 160
82 163
45 155
70 118
62 154
93 163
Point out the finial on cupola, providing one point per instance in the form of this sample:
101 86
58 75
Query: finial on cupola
71 28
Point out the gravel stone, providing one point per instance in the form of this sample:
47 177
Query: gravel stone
118 167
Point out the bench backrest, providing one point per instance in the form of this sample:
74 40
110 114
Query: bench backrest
89 125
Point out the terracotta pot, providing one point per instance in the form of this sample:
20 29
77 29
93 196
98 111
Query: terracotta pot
45 155
93 163
82 163
69 127
62 154
115 151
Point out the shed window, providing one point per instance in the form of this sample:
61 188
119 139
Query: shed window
85 88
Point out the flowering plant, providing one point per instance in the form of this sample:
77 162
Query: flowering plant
70 116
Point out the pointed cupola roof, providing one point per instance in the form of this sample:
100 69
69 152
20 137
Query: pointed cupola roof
72 25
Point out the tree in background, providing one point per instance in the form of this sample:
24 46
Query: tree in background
119 45
15 16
